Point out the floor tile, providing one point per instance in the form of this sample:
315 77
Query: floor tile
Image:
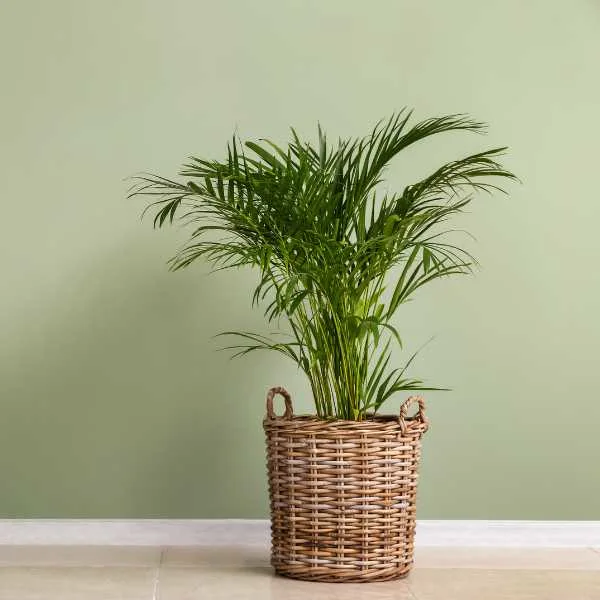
507 558
481 584
221 556
259 583
72 583
79 556
243 573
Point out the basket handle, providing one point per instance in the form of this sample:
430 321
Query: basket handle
404 421
289 410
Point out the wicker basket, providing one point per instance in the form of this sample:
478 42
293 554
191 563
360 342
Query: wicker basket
342 493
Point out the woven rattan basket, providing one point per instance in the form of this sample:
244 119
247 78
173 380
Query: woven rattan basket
343 493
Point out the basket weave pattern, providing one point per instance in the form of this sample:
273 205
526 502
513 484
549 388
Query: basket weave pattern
342 493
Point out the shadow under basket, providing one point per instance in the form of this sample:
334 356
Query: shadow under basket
343 493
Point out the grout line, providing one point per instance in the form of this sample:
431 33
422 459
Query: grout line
155 589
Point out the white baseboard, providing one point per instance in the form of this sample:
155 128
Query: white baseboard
224 532
524 534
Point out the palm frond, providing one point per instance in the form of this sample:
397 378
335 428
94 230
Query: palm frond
310 219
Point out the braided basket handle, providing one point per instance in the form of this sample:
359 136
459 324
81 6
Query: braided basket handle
289 410
404 421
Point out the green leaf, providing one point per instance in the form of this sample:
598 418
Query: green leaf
264 154
296 300
390 223
426 260
325 243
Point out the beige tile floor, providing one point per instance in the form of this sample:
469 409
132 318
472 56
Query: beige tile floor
243 573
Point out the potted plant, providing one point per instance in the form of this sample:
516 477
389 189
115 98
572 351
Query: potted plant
336 259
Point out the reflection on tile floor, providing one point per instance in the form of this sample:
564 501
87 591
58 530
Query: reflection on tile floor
243 573
76 583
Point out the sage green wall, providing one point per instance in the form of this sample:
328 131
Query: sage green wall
114 402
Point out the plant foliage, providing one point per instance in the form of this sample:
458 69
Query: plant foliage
328 245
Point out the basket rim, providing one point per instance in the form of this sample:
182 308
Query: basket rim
373 421
371 418
382 425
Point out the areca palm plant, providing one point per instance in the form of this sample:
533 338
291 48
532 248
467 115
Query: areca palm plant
336 257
